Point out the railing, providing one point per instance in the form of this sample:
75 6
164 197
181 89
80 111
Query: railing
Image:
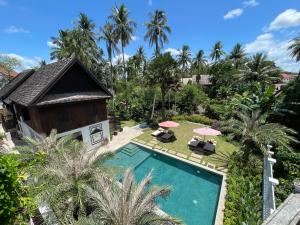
269 185
28 131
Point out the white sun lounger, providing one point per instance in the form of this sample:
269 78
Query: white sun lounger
157 133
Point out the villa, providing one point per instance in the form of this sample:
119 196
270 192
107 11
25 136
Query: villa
62 95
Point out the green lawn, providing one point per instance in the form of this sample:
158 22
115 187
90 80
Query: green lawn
128 123
183 134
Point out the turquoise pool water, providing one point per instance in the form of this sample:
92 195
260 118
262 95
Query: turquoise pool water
195 191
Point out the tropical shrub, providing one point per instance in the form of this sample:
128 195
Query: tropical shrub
243 199
190 97
287 169
194 118
15 201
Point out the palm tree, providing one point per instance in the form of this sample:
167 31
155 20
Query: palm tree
63 45
81 41
108 35
259 69
184 58
128 204
63 182
200 61
43 147
140 60
157 30
123 28
162 71
295 48
256 133
217 51
237 53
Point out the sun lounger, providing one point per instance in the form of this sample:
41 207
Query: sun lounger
208 147
157 133
166 137
199 145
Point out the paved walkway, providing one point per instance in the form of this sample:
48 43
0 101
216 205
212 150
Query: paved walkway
121 139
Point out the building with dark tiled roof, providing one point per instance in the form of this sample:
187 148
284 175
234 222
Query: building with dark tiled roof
62 95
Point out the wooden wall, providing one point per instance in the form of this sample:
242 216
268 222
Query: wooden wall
68 116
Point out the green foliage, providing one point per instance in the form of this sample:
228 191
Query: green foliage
163 72
133 102
289 107
287 169
194 118
190 97
243 199
224 79
218 110
15 200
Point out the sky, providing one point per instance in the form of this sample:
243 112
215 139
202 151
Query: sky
26 26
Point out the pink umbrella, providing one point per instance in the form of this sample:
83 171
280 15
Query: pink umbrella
168 124
207 131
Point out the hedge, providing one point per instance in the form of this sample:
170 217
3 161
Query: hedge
195 119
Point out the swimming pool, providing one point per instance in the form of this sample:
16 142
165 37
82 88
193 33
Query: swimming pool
195 191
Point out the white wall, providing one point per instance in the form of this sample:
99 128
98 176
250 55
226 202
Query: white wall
87 137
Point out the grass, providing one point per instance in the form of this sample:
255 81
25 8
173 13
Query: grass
183 134
128 123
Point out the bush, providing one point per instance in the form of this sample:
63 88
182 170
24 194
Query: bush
287 169
243 199
190 98
9 186
195 119
16 203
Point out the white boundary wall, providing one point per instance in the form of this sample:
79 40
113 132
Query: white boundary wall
100 137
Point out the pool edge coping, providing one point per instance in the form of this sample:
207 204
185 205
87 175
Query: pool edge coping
221 202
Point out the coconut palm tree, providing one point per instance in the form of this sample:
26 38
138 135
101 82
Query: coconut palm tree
256 133
237 55
128 204
162 71
184 59
107 34
63 182
123 28
157 30
259 69
81 41
217 51
200 61
295 48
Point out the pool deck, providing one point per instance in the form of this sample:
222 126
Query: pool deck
129 134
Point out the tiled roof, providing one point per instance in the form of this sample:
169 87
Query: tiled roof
28 92
14 83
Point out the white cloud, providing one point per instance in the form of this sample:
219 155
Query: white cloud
251 3
150 2
26 62
233 14
275 50
3 3
50 44
173 51
120 57
286 19
14 30
135 38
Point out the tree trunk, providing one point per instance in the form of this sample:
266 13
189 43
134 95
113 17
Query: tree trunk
156 48
163 107
111 71
153 106
124 70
